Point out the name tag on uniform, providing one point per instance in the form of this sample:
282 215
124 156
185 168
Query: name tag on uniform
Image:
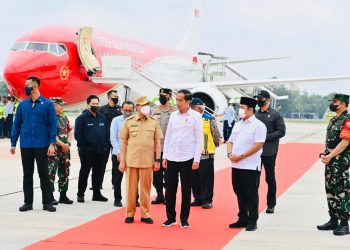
101 124
134 125
90 124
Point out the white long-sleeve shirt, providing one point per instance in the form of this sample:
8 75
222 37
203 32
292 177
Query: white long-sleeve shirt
9 108
184 137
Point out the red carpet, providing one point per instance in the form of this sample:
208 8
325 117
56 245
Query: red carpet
209 228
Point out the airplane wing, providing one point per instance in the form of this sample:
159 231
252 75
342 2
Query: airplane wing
254 83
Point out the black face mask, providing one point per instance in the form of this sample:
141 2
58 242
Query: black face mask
94 109
115 100
333 107
261 103
28 90
163 100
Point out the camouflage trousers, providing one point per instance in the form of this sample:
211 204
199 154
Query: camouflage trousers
59 163
338 190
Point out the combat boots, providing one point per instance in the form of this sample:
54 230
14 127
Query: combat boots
53 200
332 224
64 199
342 229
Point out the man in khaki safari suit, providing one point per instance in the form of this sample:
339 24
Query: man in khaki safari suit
139 155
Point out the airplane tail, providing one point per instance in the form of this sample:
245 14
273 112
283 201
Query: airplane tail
189 41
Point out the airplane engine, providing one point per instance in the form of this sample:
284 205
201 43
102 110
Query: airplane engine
212 98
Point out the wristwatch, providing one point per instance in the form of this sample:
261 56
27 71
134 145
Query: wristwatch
242 156
157 160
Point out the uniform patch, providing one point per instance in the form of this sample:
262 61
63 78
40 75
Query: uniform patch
134 125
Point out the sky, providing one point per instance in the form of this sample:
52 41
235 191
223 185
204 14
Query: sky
314 34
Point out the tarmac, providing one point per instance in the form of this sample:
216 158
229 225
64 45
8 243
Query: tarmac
292 226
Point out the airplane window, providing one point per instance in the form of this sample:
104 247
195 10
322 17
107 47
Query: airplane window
53 48
61 49
19 46
38 46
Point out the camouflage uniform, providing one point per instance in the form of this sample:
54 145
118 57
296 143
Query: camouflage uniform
60 161
337 179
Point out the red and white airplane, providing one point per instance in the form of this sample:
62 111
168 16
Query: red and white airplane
68 61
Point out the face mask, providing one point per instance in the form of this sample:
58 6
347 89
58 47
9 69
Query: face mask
333 107
115 100
163 100
94 109
261 103
28 90
241 113
145 110
127 114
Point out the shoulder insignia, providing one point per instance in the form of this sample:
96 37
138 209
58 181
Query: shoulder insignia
347 124
130 117
154 118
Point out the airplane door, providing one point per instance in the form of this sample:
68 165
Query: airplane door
85 50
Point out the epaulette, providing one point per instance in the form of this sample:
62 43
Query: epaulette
151 116
129 118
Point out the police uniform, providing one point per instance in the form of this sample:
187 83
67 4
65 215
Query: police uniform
163 115
140 136
337 178
60 161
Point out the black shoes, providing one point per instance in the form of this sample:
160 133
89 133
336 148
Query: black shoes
49 208
99 197
80 199
184 224
147 220
238 224
270 210
129 220
341 230
54 202
330 225
64 199
25 207
137 204
196 203
158 200
207 205
251 227
169 223
118 204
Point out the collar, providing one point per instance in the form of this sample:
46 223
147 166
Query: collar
139 118
40 99
188 113
250 119
266 111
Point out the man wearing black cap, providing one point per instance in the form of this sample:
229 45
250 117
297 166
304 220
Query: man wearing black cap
162 113
276 129
336 157
244 149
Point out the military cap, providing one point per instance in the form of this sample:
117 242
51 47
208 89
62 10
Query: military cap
196 101
250 102
57 100
262 94
141 100
341 97
165 91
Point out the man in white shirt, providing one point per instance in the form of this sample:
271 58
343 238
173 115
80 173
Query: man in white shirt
244 149
181 153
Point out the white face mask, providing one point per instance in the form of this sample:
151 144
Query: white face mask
241 113
145 110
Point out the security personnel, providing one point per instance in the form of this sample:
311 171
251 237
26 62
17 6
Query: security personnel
203 178
92 138
60 161
139 155
336 157
110 111
2 119
244 149
162 113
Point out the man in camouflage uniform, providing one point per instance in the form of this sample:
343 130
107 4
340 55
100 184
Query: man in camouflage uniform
162 113
336 157
60 161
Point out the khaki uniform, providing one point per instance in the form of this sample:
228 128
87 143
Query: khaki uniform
163 116
140 136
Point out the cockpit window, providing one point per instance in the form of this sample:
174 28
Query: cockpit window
61 49
37 46
19 46
53 48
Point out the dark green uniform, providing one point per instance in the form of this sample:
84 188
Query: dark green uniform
337 171
60 161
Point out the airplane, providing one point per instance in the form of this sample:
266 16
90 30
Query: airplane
68 61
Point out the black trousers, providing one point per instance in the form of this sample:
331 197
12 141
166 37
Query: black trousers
203 181
227 130
9 123
245 186
269 164
41 159
173 170
159 178
90 160
117 178
103 167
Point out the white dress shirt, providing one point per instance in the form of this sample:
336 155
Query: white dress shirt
184 137
244 135
9 108
116 126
